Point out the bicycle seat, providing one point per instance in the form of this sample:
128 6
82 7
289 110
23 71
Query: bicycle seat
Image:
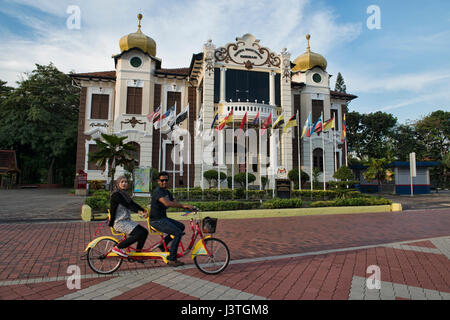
113 231
153 230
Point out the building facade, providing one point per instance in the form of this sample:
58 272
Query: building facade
243 76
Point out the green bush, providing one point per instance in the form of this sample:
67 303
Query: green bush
240 178
282 203
293 176
223 205
212 175
101 193
361 201
98 204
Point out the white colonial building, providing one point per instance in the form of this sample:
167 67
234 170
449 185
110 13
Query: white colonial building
243 76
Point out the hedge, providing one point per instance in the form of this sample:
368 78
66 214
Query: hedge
363 201
282 203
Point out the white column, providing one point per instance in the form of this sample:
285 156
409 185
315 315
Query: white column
223 70
272 88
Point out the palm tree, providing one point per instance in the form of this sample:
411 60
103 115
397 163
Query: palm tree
114 152
378 171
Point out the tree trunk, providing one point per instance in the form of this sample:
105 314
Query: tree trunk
50 172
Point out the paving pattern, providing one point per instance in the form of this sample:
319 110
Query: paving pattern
302 258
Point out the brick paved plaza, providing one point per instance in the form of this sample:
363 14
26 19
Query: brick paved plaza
293 258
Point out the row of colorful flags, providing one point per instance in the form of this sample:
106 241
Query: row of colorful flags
171 119
309 128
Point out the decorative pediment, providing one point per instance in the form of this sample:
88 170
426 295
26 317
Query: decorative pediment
247 52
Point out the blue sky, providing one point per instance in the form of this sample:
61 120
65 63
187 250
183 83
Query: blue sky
402 68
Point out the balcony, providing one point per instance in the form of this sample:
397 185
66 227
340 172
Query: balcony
252 109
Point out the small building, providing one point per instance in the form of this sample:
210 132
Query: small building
401 184
421 183
8 169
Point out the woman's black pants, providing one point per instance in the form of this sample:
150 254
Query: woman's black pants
139 235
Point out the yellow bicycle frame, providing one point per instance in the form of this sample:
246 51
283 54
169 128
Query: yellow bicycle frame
199 248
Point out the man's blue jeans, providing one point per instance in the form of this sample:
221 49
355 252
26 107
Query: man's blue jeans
171 227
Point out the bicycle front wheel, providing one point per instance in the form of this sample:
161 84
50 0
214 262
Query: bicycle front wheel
98 260
217 260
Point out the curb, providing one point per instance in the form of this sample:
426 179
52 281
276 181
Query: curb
275 213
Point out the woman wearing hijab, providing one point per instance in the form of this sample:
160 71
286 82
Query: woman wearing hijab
121 207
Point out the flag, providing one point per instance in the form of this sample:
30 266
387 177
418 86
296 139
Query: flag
244 121
182 116
225 121
256 121
344 131
329 124
266 124
199 124
307 126
165 118
292 122
156 113
216 117
317 126
279 122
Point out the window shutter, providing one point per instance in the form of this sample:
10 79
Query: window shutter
134 100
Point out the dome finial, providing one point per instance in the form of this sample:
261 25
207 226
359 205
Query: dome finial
140 16
308 37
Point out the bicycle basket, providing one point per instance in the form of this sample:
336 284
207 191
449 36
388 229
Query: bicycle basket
209 225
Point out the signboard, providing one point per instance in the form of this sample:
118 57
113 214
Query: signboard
283 189
82 180
412 169
142 180
412 164
248 52
282 173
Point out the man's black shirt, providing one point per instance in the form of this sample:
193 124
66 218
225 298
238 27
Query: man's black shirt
158 210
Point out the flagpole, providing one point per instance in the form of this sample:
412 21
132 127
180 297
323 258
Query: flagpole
299 160
273 165
311 158
189 153
335 151
174 148
232 163
160 146
246 151
323 157
260 152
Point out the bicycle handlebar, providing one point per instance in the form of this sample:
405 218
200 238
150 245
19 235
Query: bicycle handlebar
188 212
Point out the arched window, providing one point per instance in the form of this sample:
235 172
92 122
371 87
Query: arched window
137 153
318 159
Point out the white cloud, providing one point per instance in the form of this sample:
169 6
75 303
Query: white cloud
372 82
179 28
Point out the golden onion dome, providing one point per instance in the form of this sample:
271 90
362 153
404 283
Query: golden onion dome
138 40
309 60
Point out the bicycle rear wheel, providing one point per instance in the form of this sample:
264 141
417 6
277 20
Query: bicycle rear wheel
218 259
99 262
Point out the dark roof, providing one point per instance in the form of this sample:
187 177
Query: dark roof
341 95
110 75
399 164
8 161
174 72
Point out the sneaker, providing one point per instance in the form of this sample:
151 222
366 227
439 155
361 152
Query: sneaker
175 263
119 252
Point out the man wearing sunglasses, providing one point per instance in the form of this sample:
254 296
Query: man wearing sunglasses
161 200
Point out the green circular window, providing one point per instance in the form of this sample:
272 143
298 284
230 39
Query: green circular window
136 62
317 78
